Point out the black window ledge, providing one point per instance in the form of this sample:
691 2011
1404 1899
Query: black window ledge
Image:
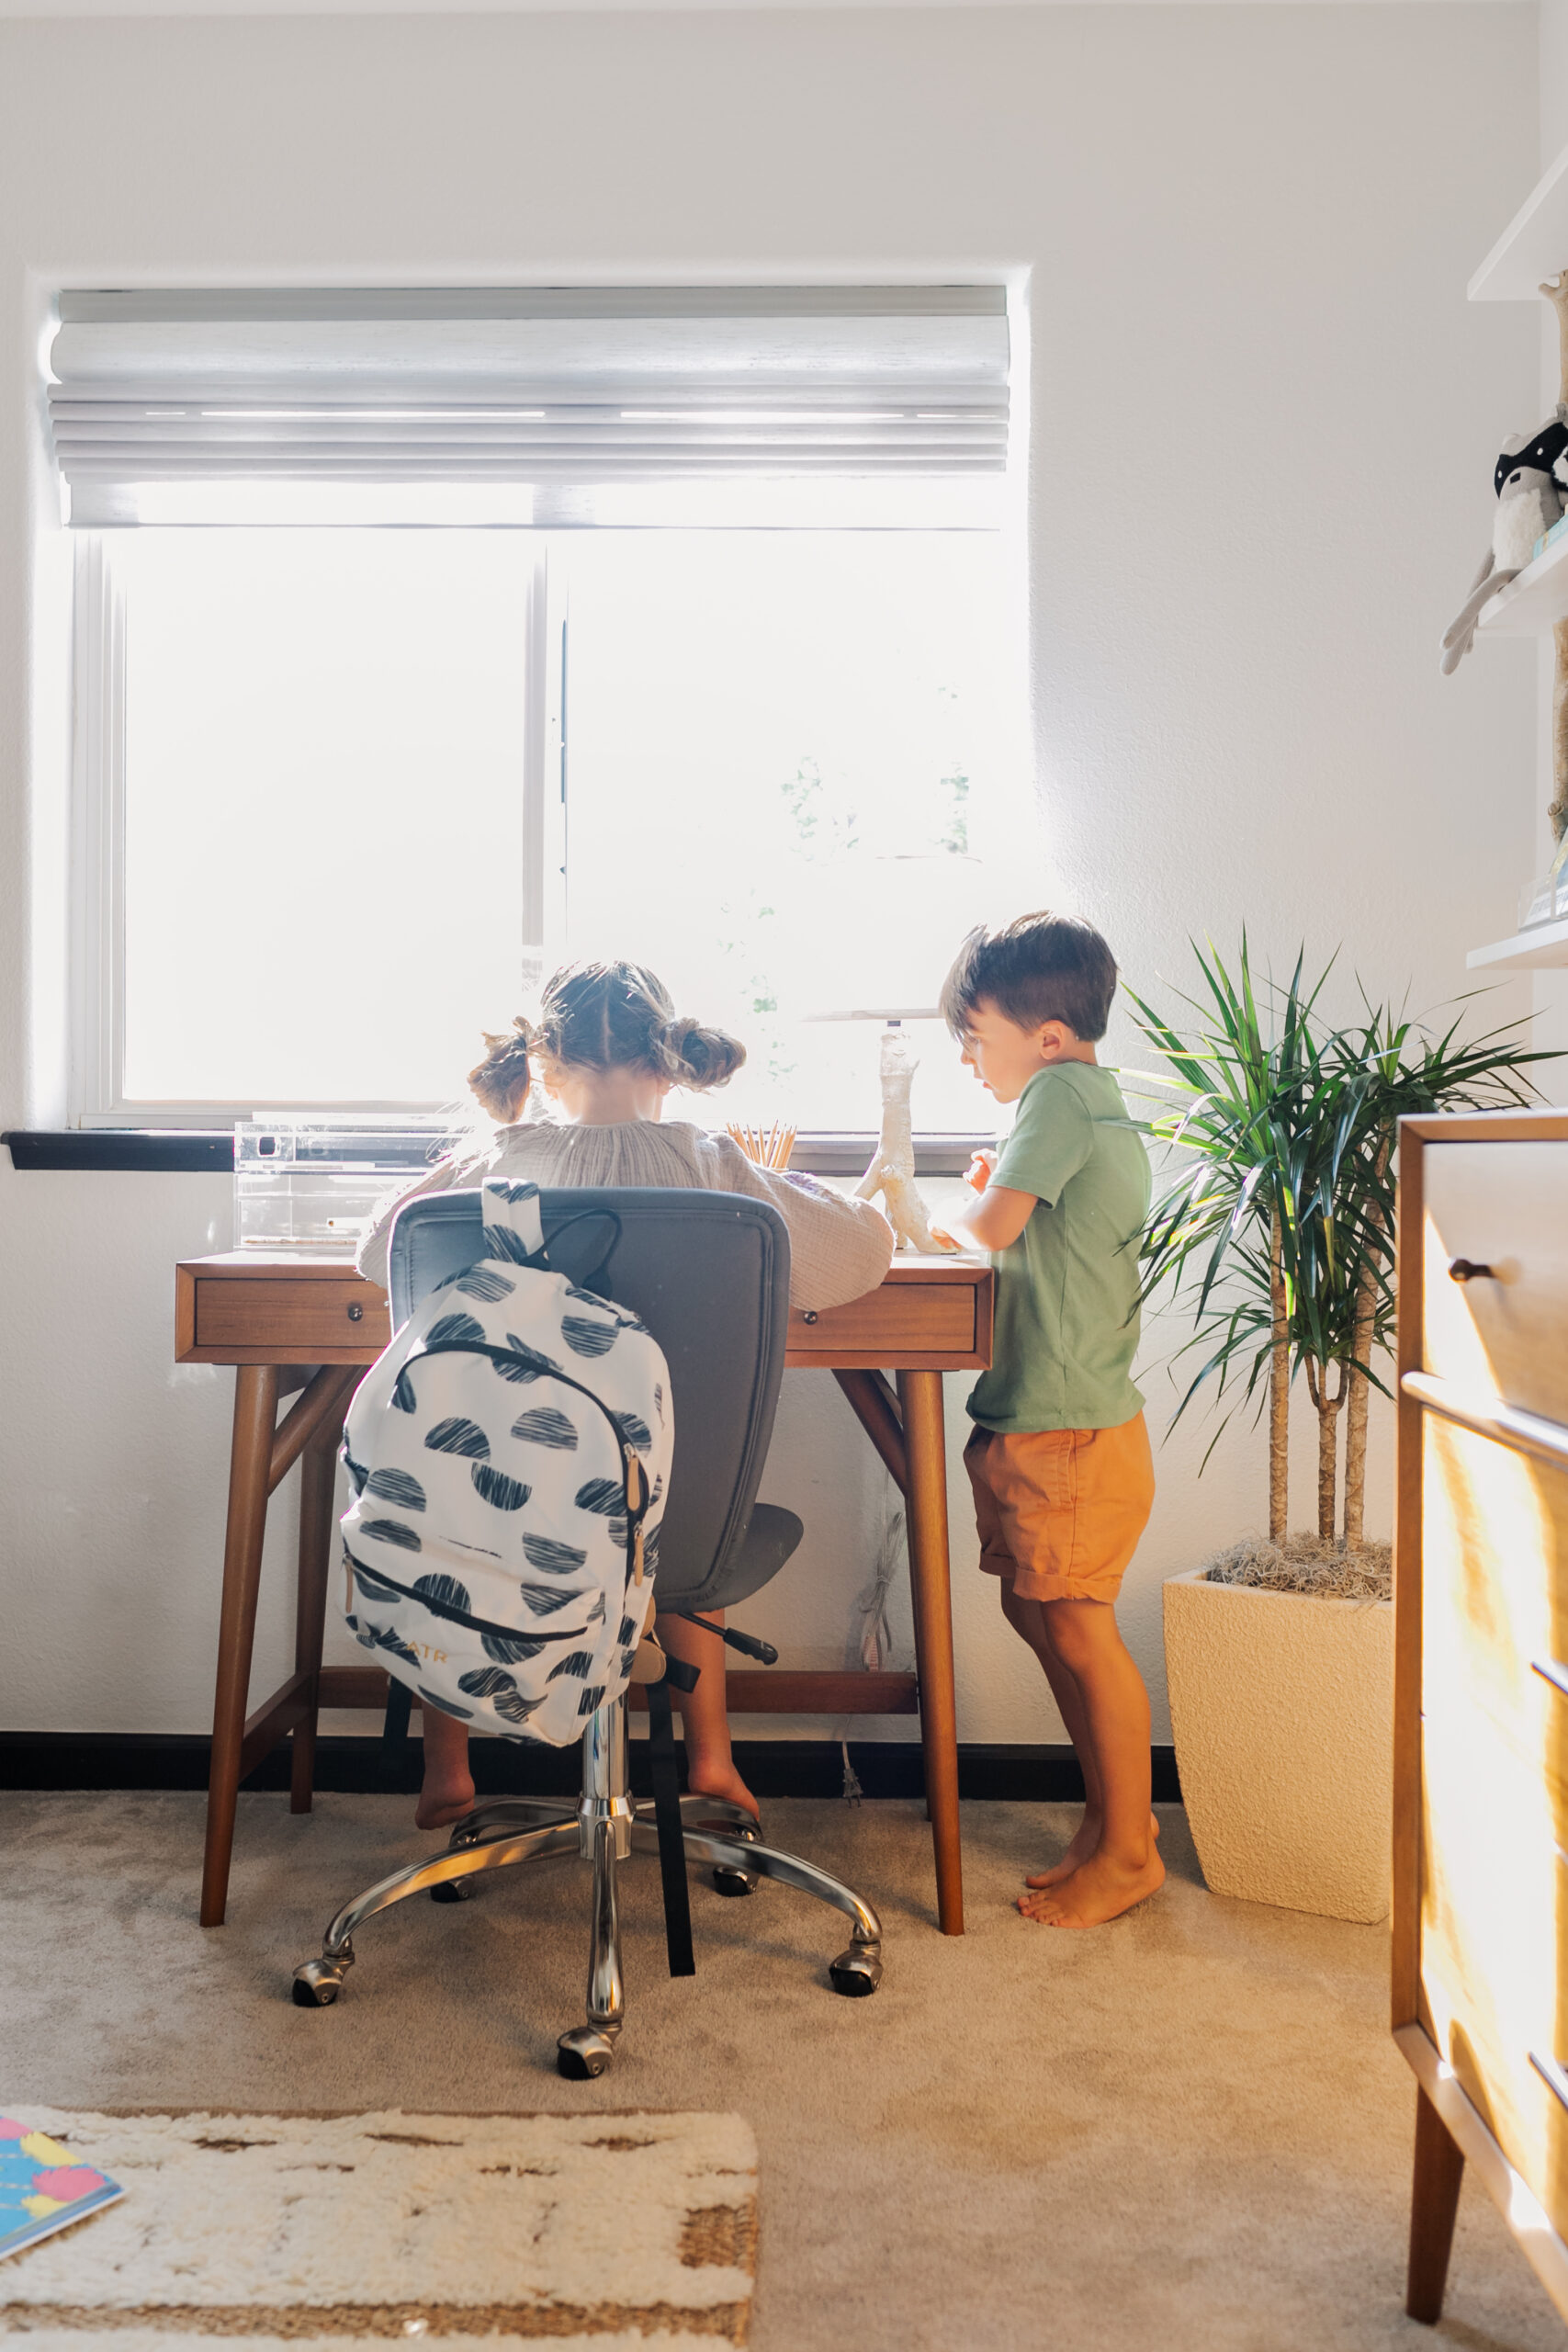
174 1150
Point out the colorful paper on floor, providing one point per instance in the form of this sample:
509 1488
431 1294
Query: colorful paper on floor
43 2187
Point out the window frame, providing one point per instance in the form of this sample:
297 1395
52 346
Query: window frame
97 1096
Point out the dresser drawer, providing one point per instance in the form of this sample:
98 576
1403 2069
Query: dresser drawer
267 1319
898 1324
1494 1900
1495 1597
1503 1205
1491 1958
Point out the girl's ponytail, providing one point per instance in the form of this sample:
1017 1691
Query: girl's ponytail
699 1057
500 1082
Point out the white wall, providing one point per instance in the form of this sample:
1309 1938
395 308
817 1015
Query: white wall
1263 421
1551 989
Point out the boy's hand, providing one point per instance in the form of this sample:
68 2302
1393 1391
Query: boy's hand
978 1173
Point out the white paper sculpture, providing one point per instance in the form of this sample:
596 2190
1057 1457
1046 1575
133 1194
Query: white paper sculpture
892 1171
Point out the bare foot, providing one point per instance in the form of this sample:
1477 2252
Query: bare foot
445 1798
1102 1890
721 1781
1085 1845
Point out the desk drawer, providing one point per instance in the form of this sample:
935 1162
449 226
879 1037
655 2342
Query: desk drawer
891 1325
264 1318
1500 1204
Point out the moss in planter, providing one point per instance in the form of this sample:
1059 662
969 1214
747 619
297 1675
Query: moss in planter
1306 1564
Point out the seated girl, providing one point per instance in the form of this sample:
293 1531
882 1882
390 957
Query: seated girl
608 1048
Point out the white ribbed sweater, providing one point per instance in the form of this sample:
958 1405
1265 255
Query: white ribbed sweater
839 1247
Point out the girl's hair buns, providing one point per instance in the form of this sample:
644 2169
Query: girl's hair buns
603 1016
500 1082
701 1058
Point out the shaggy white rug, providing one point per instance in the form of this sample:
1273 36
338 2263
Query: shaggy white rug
632 2231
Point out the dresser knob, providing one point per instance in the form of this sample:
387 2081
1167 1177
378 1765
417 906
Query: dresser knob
1462 1270
810 1315
356 1312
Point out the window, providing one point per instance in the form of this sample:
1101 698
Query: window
335 824
427 637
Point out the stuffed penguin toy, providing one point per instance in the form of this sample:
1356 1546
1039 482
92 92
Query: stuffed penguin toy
1532 482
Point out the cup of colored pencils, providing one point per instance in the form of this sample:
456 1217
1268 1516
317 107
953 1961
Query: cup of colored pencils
764 1147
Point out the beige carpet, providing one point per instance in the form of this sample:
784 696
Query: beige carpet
357 2228
1188 2132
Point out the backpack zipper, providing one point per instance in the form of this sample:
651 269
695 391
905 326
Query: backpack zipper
457 1616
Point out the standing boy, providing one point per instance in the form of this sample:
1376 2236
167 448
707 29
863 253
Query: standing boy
1060 1459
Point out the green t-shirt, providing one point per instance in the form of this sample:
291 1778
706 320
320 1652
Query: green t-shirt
1067 1326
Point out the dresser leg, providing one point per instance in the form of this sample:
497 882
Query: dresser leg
1434 2203
250 1462
925 1443
318 1479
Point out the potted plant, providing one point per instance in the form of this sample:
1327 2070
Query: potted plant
1276 1230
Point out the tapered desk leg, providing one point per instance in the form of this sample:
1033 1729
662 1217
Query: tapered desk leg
925 1442
255 1416
1434 2203
318 1479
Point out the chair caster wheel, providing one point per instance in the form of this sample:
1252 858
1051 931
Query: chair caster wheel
855 1973
728 1881
318 1982
452 1890
584 2055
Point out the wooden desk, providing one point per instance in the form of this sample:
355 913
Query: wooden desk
290 1324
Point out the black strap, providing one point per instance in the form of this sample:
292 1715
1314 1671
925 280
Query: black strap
595 1275
671 1843
400 1706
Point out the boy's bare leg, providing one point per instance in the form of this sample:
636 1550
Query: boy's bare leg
1029 1620
705 1718
1125 1867
448 1789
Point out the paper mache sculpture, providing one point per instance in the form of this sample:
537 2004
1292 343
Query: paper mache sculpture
892 1169
1532 482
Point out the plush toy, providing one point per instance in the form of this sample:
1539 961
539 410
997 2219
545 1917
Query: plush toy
1532 482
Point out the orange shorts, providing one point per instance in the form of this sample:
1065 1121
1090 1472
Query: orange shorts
1060 1511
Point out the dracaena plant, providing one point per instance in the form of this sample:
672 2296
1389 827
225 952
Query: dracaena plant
1275 1224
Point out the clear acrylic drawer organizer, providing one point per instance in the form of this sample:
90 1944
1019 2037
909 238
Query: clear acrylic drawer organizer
314 1185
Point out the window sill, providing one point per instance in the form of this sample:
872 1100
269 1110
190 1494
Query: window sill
180 1151
154 1150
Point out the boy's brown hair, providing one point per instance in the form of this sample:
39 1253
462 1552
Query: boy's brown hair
1036 968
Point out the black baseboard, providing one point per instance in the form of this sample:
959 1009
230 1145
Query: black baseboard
773 1768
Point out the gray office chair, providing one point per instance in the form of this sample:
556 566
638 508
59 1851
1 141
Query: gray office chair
709 1275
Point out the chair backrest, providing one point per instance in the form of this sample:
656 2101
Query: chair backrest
708 1273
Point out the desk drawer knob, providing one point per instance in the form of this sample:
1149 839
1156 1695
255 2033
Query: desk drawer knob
356 1312
1462 1269
809 1314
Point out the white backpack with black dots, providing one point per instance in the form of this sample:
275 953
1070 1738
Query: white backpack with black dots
508 1453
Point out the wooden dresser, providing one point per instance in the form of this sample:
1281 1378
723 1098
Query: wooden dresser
1481 1753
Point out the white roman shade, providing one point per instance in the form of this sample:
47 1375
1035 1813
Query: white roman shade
533 405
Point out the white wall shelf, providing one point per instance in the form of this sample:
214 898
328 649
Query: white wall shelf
1534 601
1533 246
1535 950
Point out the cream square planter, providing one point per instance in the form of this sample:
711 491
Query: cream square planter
1283 1710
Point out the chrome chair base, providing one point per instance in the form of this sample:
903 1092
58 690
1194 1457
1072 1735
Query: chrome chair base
606 1828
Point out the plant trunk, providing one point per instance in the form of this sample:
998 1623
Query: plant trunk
1360 1394
1278 1391
1327 1461
1355 1443
1327 1409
